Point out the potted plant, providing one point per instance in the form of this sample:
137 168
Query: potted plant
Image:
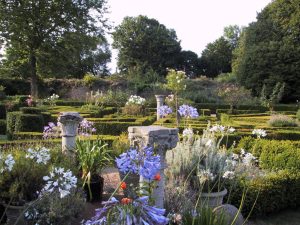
92 156
21 182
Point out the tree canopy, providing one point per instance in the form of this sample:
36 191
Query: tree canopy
32 29
216 57
269 51
144 42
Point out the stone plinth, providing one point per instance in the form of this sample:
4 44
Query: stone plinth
162 139
69 124
160 102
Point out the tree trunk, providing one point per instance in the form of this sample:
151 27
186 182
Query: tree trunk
33 82
176 108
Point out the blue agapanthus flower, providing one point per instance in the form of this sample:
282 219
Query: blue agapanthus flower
164 110
139 212
129 161
188 111
143 162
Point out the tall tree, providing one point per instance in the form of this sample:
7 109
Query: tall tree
27 25
232 34
144 42
269 50
216 57
189 63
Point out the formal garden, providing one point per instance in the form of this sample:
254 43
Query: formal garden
172 154
168 138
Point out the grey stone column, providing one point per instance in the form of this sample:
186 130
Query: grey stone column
160 102
69 124
163 139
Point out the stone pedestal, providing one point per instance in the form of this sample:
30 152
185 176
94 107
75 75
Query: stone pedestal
160 102
69 124
162 139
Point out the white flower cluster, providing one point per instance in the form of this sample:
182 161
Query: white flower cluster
6 163
259 133
135 100
221 129
247 158
228 175
39 155
187 132
53 97
205 175
60 180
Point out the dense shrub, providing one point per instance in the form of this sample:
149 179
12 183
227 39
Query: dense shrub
298 114
2 126
273 154
15 86
133 110
274 192
279 120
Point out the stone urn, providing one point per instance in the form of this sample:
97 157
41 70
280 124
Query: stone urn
212 199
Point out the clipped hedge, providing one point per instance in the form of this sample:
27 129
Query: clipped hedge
274 192
11 123
117 127
19 122
30 110
273 154
2 127
26 138
61 102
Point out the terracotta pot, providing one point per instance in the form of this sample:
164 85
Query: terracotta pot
96 186
212 199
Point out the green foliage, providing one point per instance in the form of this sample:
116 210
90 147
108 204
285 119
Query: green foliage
234 95
17 121
120 144
298 114
274 192
26 178
30 36
145 43
11 123
280 120
133 110
89 79
189 63
30 110
52 209
273 154
226 78
276 95
116 128
268 50
176 81
204 216
216 57
92 157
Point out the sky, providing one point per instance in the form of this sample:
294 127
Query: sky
196 22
